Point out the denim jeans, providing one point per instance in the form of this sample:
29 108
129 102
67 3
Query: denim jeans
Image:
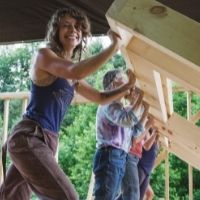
130 184
109 168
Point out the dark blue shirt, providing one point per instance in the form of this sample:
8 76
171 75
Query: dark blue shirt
148 159
48 104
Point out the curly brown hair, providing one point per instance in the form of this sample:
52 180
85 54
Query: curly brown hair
52 36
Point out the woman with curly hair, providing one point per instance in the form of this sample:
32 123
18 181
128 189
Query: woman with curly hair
54 77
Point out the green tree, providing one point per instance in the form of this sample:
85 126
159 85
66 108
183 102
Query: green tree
14 74
14 67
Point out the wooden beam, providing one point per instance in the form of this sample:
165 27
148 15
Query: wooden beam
190 170
25 95
184 132
179 130
156 22
5 120
14 95
179 70
150 83
166 175
167 88
125 32
190 185
185 154
4 134
91 187
189 105
161 97
24 105
178 144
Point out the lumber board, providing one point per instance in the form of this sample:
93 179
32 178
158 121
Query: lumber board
160 24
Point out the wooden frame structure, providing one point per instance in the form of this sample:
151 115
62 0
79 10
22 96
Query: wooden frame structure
161 46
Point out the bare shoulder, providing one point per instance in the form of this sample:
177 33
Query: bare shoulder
45 53
37 73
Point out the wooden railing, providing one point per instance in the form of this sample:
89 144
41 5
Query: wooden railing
6 98
23 96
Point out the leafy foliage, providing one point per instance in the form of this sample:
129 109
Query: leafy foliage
14 67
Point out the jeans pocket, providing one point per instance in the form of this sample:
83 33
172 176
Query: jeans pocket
117 157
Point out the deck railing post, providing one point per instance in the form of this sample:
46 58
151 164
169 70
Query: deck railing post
190 169
167 175
5 133
6 97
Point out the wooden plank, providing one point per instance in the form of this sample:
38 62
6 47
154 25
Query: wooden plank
190 174
125 32
91 187
184 132
5 134
24 105
5 120
167 88
14 95
181 131
161 24
189 105
25 95
190 177
185 154
177 141
166 175
178 70
151 85
160 93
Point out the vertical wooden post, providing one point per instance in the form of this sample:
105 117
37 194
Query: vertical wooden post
167 176
91 186
5 120
24 105
190 176
190 169
4 134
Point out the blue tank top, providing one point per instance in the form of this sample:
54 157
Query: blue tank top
48 104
